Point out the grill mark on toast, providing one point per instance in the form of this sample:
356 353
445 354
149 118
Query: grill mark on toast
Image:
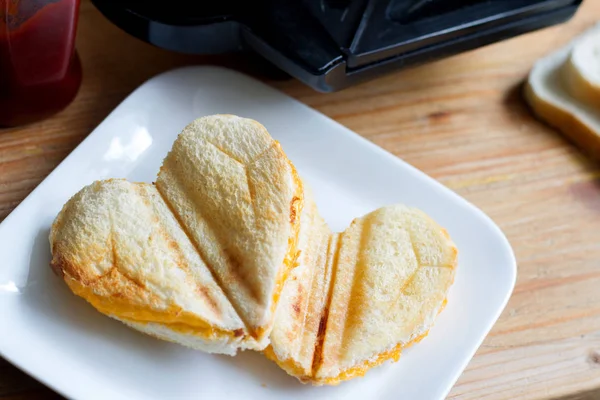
212 303
177 254
412 276
113 250
174 248
318 353
238 274
262 153
246 167
359 273
231 271
202 256
234 158
413 247
252 193
116 264
322 258
296 306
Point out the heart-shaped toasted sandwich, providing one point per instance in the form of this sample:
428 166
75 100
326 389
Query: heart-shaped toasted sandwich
228 251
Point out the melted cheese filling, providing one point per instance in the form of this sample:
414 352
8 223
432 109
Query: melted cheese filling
288 365
172 317
360 370
293 369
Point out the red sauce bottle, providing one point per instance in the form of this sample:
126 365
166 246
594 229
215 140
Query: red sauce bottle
40 72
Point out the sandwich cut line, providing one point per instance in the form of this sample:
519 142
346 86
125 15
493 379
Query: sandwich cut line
204 260
332 262
251 189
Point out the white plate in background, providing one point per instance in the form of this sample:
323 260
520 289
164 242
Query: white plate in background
59 339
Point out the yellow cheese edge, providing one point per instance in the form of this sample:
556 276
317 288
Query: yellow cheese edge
288 365
361 370
293 369
173 317
298 372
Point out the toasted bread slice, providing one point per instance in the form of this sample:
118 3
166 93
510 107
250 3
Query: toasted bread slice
117 245
393 271
581 72
560 95
388 275
239 198
299 317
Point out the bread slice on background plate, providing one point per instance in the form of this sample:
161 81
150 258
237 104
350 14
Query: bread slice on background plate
374 289
562 90
199 258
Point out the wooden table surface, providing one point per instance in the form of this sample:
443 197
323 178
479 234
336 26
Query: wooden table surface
462 121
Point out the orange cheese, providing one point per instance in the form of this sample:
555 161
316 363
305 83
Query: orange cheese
361 370
294 369
173 316
288 365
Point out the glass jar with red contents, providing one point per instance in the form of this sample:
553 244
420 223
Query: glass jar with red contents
40 72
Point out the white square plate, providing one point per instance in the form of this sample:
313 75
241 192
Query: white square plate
62 341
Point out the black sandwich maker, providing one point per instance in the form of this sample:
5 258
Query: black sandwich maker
332 44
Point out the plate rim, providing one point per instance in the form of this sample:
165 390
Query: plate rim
512 268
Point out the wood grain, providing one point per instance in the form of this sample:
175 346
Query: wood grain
462 121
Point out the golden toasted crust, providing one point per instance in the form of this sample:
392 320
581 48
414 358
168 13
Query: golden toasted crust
237 195
387 277
205 253
116 245
298 315
394 268
361 369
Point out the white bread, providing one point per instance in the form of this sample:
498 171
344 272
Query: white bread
200 258
228 250
299 318
117 245
388 275
560 91
581 72
239 197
